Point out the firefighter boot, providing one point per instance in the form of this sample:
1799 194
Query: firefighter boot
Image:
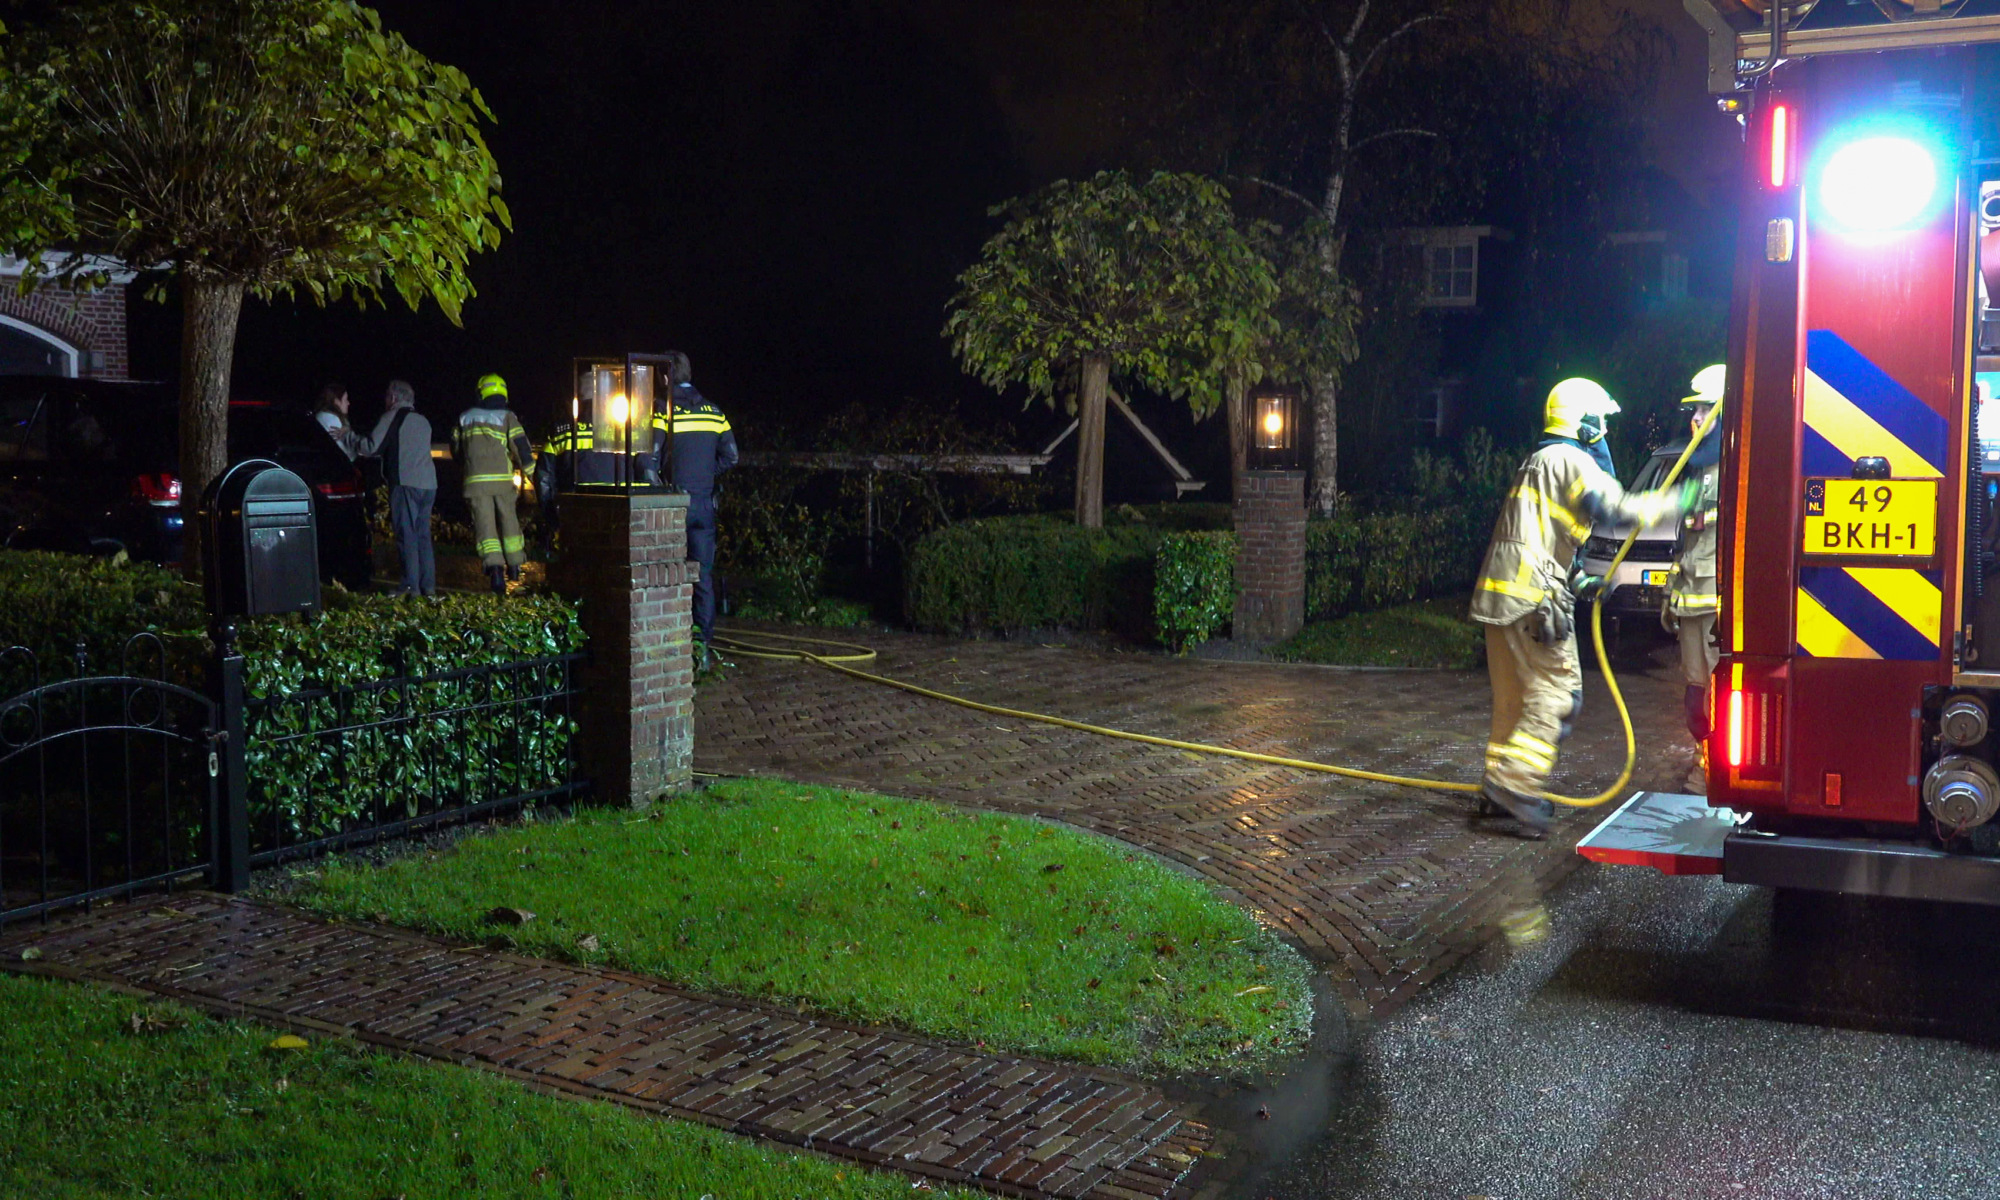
513 572
1533 815
497 576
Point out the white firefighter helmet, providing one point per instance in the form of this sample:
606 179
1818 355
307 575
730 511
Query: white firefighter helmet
1708 385
1576 408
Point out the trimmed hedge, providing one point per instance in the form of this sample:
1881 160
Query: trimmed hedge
1012 573
1194 586
51 602
1359 562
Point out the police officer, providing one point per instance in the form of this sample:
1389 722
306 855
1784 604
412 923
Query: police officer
1527 589
1691 595
556 473
490 447
698 446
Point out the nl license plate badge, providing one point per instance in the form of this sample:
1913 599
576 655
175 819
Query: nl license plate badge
1653 578
1873 518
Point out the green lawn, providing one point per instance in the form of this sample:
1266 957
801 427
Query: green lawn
104 1095
1429 633
1016 934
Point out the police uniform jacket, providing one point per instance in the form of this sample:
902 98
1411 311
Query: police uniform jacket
490 444
703 445
1558 494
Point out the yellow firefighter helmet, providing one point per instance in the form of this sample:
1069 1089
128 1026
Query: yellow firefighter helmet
1708 385
1570 405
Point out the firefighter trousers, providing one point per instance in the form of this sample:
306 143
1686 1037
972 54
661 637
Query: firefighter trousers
1536 692
1698 659
495 525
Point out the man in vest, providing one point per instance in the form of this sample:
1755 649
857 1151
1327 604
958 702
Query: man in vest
1692 597
694 448
490 447
1527 593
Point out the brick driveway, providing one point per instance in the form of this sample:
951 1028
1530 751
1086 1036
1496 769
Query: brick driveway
1388 886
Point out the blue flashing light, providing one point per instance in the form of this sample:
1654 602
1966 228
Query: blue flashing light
1878 184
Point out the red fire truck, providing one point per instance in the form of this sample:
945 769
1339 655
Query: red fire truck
1853 746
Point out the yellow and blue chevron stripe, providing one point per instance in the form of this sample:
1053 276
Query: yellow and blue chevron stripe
1853 409
1893 613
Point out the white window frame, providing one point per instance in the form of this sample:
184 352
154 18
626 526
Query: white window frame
1449 237
72 357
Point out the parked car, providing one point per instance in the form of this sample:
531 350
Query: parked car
1639 588
92 467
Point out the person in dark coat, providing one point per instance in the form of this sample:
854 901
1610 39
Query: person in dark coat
694 447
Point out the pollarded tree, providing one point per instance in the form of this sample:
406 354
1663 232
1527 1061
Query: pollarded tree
1151 280
248 146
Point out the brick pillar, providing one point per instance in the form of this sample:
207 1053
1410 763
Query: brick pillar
1270 556
625 565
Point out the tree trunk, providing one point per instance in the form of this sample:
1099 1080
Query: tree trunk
1236 393
1325 389
209 309
1090 441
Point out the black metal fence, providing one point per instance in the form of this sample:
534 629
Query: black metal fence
113 784
108 783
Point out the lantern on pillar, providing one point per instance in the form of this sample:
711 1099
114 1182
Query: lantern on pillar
616 397
1274 443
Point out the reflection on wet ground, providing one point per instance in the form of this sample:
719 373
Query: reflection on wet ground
1677 1038
1386 886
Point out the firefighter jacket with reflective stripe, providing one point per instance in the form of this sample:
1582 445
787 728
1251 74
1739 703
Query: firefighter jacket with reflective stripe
1693 591
1556 496
703 444
490 446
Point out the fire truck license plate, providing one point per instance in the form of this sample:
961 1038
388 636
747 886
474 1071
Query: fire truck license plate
1891 518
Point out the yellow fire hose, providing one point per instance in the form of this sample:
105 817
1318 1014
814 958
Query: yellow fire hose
760 646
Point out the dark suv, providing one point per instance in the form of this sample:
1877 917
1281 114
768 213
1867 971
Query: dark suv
91 467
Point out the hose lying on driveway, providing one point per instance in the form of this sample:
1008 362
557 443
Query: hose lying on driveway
766 645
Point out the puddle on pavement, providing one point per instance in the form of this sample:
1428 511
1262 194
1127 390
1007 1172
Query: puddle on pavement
1266 1122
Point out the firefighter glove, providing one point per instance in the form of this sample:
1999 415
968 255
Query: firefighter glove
1587 587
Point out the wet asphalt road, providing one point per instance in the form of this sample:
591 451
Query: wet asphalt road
1676 1038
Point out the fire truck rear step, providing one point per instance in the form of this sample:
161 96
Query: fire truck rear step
1673 833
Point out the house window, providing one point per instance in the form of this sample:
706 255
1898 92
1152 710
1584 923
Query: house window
1454 273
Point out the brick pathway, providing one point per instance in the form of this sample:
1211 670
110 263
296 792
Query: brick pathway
878 1097
1388 886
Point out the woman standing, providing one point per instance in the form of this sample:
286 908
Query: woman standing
331 413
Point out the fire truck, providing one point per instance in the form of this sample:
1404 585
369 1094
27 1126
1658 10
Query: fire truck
1853 746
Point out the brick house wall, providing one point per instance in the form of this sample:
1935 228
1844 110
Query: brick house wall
92 322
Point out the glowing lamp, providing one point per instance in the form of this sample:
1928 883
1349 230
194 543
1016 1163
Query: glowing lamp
1273 443
621 411
1878 185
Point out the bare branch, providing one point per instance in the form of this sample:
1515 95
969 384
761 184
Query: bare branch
1374 52
1360 18
1372 138
1281 189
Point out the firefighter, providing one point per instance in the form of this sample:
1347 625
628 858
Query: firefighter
698 446
490 446
1527 591
1689 611
556 473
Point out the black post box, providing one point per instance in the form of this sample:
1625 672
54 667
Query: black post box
260 549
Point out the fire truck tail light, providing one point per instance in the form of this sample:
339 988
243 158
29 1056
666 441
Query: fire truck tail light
1735 729
1781 146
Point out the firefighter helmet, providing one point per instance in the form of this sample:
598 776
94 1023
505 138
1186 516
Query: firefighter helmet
1708 385
1576 408
491 386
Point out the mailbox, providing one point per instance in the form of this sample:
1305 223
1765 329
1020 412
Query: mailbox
260 550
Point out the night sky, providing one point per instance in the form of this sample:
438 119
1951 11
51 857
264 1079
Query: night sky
784 190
